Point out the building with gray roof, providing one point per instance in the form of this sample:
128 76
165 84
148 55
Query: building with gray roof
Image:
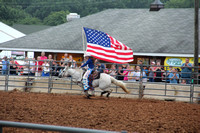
28 29
168 32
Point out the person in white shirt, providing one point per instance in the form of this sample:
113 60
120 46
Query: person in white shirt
131 75
45 68
26 66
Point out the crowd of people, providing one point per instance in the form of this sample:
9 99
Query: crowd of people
156 73
44 66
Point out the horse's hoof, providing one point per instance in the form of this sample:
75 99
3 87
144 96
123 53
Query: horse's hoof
88 97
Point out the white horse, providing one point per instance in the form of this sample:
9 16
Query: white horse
103 82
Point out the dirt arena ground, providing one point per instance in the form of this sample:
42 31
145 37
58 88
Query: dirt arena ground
115 114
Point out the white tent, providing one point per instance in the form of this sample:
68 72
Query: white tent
7 33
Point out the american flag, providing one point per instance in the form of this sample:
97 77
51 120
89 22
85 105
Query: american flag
104 47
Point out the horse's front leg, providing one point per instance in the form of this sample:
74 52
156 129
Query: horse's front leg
87 94
103 93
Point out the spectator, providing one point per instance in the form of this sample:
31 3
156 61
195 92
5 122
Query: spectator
61 63
32 67
106 69
158 73
145 70
179 73
18 65
120 73
100 67
5 64
55 68
64 61
137 73
183 81
13 67
42 57
72 62
38 67
174 76
141 64
50 59
186 71
124 66
131 75
45 68
126 72
26 66
168 73
151 72
112 72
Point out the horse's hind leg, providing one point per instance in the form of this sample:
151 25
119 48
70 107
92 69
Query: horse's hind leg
109 92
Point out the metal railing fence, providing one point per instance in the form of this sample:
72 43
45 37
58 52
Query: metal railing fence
50 127
9 80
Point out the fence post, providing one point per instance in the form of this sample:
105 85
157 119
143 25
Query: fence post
50 78
28 79
1 129
166 80
140 83
7 76
191 92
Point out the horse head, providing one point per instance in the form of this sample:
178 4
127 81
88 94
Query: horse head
63 72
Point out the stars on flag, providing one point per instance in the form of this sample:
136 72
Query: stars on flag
97 37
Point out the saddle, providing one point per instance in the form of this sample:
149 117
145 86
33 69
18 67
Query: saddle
94 75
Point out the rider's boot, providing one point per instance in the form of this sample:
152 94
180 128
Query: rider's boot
87 95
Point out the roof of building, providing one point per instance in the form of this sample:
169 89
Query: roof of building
28 29
8 33
168 31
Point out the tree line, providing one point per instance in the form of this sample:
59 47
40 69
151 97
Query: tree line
53 12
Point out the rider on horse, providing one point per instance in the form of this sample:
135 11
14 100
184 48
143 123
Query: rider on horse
87 80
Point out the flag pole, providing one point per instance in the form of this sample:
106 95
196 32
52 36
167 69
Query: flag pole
83 34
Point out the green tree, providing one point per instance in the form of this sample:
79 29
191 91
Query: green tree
56 18
30 20
179 4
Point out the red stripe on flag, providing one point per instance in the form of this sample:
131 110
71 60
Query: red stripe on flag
108 60
117 44
110 51
109 56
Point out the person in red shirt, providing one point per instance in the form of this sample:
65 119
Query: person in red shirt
38 66
42 57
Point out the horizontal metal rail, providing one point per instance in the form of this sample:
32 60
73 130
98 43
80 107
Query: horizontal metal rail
50 127
167 95
30 81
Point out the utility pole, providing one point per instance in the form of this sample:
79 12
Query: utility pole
196 39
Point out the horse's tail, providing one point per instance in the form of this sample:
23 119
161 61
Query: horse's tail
120 83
